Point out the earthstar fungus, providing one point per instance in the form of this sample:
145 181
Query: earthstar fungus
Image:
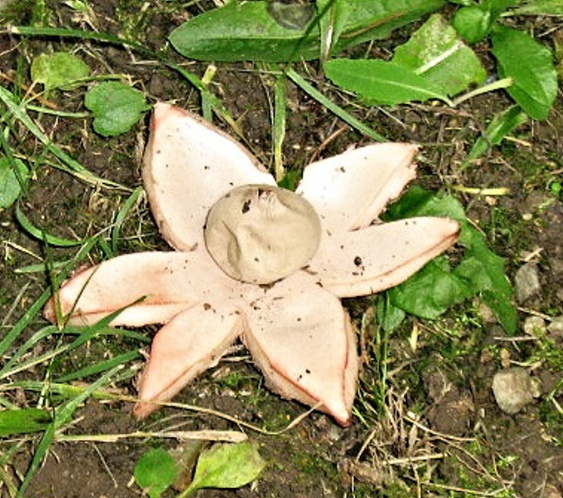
256 262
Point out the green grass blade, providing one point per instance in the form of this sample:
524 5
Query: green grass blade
120 218
8 368
24 321
23 421
40 302
12 162
68 391
62 417
100 367
41 235
41 267
334 108
40 452
18 111
279 123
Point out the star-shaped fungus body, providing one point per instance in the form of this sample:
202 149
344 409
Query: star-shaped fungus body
256 262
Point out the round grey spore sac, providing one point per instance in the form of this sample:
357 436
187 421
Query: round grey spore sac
259 233
514 388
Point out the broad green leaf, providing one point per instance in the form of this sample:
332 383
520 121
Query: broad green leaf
540 8
472 23
431 291
58 70
497 7
23 421
368 20
248 31
435 287
500 126
227 466
484 271
13 180
531 67
420 202
242 31
155 471
377 81
435 53
116 107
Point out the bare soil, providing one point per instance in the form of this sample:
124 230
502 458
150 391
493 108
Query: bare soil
439 422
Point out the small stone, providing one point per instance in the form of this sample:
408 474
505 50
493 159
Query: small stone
555 328
534 326
504 357
551 491
527 282
486 313
514 388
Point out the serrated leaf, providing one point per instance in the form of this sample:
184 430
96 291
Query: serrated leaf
431 291
227 466
435 53
500 126
435 287
242 31
23 421
58 70
484 270
13 179
531 67
377 81
420 202
116 107
155 471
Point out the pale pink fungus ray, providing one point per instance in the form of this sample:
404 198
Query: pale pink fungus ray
149 288
301 338
192 342
381 256
188 165
351 189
